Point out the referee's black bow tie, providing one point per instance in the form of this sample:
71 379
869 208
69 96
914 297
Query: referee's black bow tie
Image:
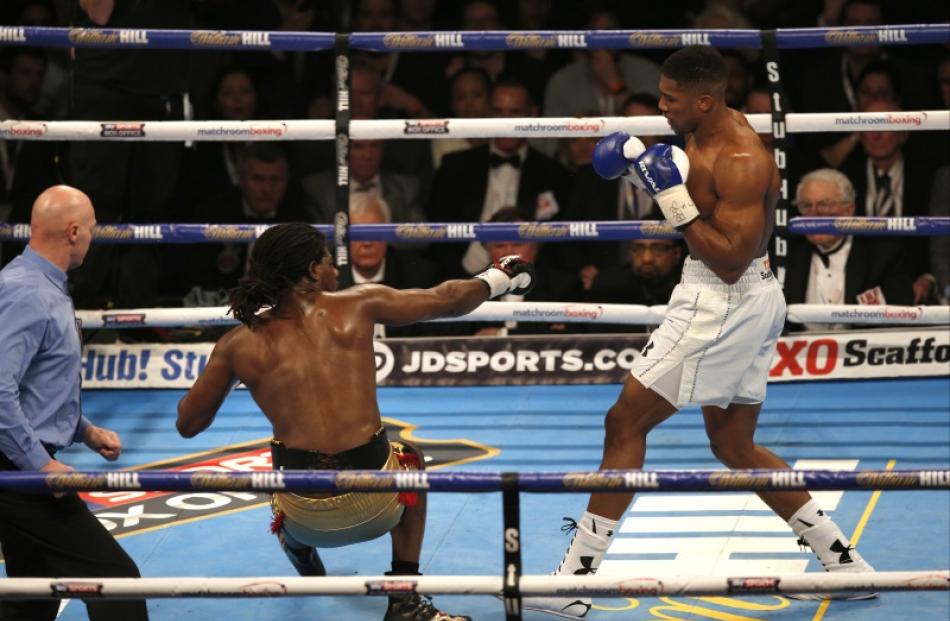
495 160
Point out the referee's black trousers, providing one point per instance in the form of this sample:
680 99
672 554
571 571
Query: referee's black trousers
43 536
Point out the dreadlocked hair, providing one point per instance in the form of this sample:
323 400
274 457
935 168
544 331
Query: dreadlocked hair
279 259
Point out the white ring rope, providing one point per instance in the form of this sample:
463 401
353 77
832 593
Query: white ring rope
546 312
601 585
539 127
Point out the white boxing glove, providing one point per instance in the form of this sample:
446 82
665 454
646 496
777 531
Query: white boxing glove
511 274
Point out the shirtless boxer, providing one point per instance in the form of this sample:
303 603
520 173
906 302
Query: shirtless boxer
717 341
308 360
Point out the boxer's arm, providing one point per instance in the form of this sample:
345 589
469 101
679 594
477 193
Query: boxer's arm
727 241
397 307
198 407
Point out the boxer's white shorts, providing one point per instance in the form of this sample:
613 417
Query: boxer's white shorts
716 344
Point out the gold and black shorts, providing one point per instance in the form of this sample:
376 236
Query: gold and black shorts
347 518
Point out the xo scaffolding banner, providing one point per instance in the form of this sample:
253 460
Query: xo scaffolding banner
592 359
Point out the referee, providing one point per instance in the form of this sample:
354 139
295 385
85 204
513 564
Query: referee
44 535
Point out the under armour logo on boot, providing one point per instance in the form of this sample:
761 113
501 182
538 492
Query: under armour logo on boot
593 528
844 550
586 562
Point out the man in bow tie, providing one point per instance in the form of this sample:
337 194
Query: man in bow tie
474 184
842 269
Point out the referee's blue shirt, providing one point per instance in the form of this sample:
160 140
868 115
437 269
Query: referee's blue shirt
40 362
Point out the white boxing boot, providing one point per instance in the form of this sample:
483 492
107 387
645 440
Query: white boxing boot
834 551
591 537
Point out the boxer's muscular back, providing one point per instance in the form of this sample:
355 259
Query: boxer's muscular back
737 141
313 373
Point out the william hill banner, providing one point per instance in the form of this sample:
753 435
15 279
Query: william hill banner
594 359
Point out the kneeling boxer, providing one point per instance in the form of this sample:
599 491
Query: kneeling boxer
308 360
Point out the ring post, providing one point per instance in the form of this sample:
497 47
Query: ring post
341 221
511 518
779 152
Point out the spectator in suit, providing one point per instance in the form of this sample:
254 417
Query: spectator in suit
310 156
263 195
879 81
407 85
472 185
379 262
831 81
366 90
278 73
400 192
470 91
891 181
484 15
410 157
836 269
211 167
25 69
596 199
647 277
600 80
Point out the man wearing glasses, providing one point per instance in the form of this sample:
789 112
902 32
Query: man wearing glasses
841 269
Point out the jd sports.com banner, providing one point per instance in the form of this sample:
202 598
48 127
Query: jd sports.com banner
545 360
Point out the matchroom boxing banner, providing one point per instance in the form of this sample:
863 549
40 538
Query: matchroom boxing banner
594 359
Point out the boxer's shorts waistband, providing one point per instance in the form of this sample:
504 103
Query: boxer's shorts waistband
757 275
369 456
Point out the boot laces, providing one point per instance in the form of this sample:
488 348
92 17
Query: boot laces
569 526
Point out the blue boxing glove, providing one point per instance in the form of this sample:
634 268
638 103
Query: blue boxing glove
509 274
615 155
663 170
